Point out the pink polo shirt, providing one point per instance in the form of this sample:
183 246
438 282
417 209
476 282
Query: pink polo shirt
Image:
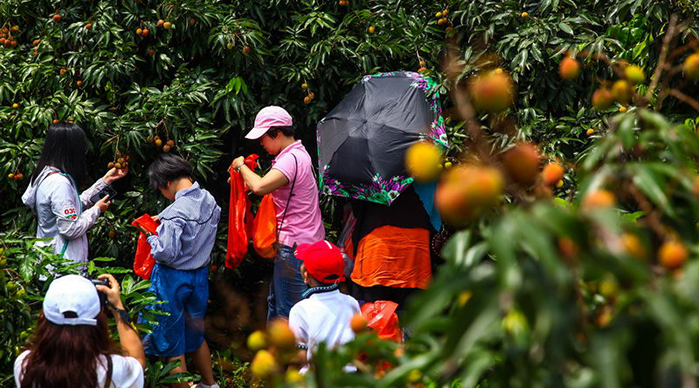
303 222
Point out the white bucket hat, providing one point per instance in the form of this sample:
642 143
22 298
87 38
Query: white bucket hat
72 293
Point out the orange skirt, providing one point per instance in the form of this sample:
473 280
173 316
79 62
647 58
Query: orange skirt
393 257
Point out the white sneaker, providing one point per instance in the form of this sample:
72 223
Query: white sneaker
200 386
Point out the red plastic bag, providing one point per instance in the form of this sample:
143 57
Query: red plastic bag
264 228
381 316
238 227
143 261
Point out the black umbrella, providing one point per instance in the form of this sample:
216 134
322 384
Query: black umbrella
362 142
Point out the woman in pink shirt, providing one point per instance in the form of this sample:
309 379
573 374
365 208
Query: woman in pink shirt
295 191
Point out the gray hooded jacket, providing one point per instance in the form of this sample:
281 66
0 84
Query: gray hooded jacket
54 199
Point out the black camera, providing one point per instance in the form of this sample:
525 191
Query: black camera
103 296
107 191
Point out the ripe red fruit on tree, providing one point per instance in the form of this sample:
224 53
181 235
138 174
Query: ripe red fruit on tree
621 90
602 99
139 31
522 163
280 335
246 50
465 192
552 174
691 66
145 32
569 68
599 199
491 92
160 23
56 17
672 254
635 74
151 52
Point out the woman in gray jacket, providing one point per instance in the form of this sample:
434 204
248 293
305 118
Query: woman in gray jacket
64 215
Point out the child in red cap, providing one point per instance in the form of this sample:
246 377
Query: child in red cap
324 313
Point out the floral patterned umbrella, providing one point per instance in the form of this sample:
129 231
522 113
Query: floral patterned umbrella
362 142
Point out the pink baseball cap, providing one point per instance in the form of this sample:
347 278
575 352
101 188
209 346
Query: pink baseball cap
267 117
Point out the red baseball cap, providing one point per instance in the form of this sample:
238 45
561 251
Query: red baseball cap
323 261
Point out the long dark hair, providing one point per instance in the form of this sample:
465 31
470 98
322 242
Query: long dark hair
64 356
64 148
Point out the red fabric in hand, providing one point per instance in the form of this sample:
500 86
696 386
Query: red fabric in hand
239 216
143 261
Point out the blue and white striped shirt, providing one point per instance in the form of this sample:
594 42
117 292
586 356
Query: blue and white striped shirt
187 232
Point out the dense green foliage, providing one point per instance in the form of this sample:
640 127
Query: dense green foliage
506 310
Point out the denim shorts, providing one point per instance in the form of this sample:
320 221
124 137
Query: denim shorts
186 293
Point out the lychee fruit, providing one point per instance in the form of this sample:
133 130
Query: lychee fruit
280 335
569 68
602 99
691 66
522 163
491 92
358 323
599 199
423 161
634 74
621 90
552 174
264 364
257 341
672 254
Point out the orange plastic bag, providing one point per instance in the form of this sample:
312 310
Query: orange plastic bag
381 316
143 261
239 217
264 229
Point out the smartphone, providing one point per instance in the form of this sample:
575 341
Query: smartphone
103 193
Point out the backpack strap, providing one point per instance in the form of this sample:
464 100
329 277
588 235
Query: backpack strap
110 367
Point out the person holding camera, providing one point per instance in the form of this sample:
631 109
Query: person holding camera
63 214
72 345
